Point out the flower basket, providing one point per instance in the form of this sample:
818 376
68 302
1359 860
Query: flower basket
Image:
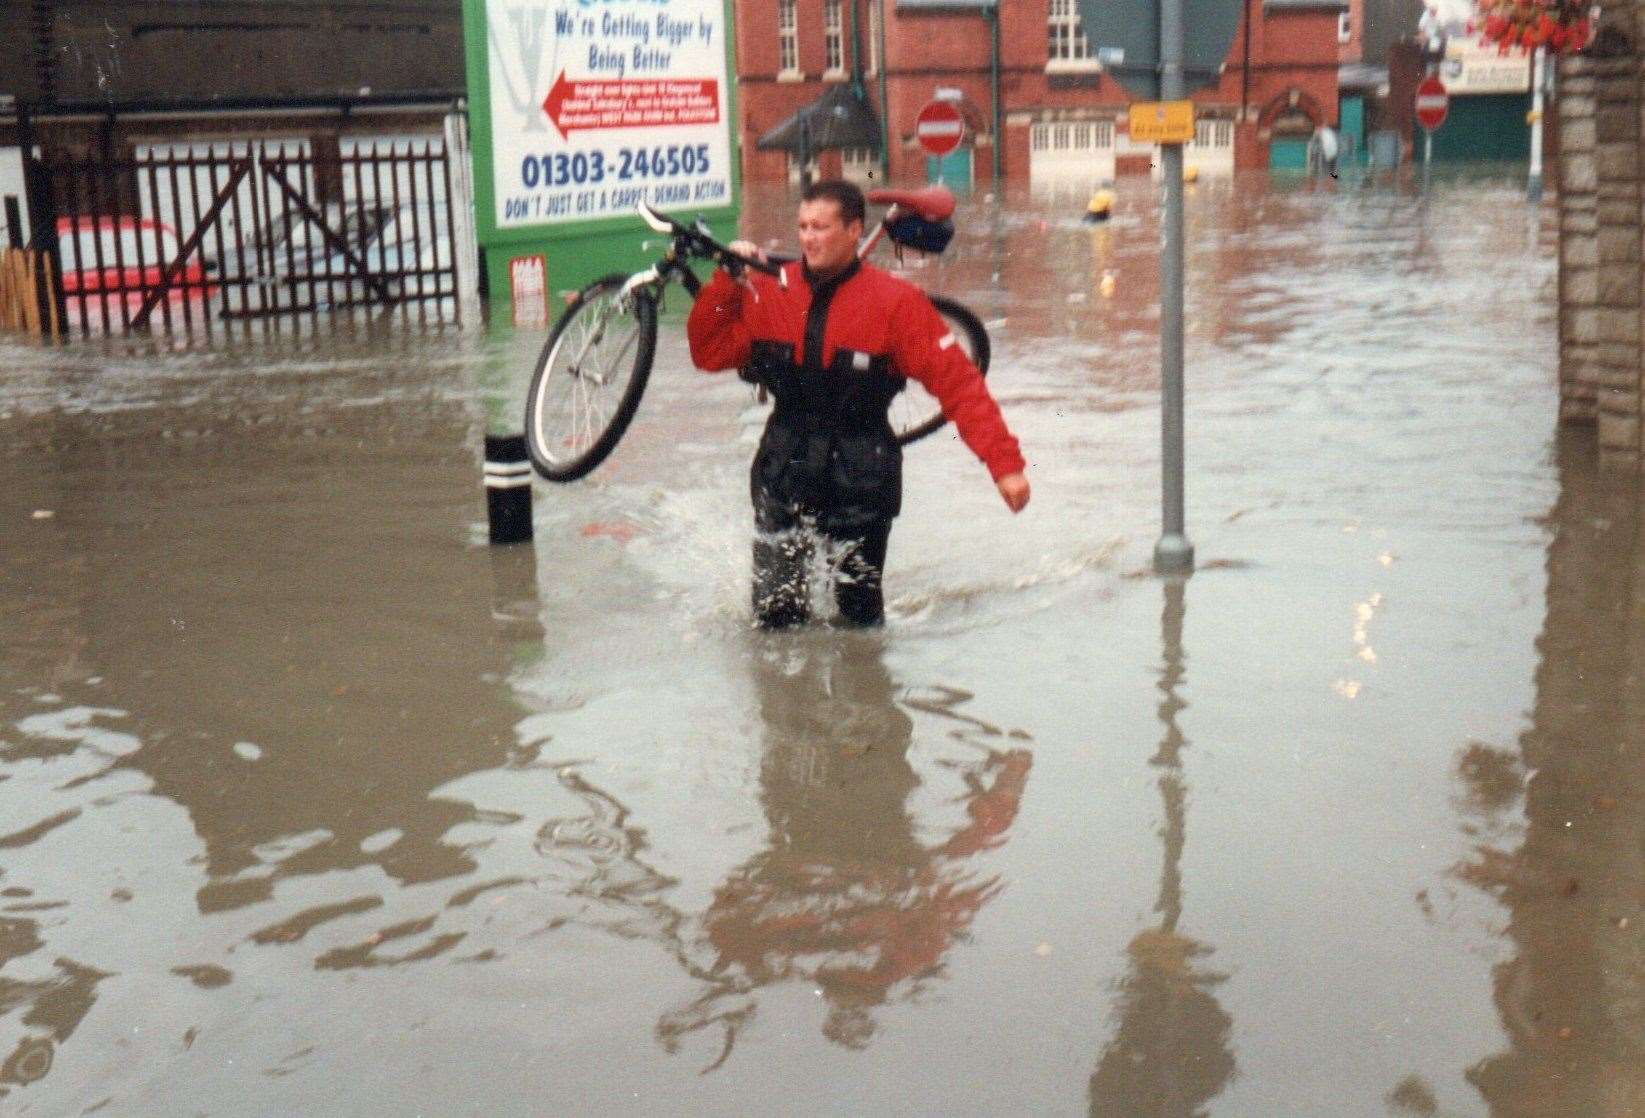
1560 26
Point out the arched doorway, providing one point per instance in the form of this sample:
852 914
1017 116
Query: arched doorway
1286 124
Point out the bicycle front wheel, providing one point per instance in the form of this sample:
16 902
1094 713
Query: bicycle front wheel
915 413
590 378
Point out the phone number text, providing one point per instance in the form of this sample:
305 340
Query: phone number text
624 165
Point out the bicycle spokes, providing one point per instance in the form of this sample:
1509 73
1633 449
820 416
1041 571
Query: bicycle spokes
589 379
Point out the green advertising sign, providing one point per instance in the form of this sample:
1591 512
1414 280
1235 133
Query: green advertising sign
580 110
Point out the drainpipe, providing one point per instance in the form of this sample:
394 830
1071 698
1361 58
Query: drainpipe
1245 68
856 55
885 116
994 84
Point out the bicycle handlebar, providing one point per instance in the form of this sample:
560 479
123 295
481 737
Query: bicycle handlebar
699 243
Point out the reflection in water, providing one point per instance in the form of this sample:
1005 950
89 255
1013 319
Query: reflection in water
53 1007
849 895
260 706
270 675
1169 1055
1569 999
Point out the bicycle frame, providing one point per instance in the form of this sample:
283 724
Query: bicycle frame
933 203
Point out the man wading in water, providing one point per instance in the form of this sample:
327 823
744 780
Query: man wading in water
833 346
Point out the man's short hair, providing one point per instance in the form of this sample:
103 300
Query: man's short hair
845 194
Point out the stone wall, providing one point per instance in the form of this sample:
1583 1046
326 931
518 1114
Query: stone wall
1601 237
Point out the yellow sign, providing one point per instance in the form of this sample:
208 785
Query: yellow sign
1162 122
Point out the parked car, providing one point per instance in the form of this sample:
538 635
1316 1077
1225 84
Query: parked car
404 239
290 245
120 254
404 247
291 260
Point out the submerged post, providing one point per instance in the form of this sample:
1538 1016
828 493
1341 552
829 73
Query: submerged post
508 489
1173 553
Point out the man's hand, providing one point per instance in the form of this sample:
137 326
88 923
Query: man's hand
747 249
1014 491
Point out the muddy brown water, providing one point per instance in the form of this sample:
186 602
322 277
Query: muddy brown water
311 803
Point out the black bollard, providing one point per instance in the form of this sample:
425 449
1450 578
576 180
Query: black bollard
508 489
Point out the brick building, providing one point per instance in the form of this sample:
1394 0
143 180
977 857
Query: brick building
1036 103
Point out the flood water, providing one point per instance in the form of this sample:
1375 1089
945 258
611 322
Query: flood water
312 803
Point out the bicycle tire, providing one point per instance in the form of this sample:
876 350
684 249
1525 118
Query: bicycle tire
915 413
561 455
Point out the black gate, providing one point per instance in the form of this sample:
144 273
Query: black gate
200 237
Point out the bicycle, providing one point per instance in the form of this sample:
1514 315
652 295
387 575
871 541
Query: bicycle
595 364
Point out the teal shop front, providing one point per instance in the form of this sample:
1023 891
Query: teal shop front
1287 154
952 170
1484 126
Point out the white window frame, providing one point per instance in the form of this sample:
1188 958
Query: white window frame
833 39
1211 134
859 164
1066 48
1345 27
788 41
873 37
1085 136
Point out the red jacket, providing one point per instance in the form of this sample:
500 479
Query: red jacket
872 312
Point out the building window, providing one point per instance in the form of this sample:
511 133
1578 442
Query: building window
1067 48
1072 137
1213 133
859 164
788 38
1345 27
874 36
833 39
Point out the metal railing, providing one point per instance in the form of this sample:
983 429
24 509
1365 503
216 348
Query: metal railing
198 236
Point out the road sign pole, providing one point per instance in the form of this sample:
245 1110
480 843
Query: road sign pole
1533 188
1432 105
1173 554
1163 50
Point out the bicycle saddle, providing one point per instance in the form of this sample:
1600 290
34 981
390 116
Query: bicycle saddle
933 203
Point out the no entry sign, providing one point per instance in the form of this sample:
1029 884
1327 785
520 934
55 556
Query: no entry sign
1432 103
938 128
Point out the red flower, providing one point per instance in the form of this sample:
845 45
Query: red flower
1523 25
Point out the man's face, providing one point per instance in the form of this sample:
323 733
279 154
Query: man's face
828 243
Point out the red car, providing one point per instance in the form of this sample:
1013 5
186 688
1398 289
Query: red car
135 254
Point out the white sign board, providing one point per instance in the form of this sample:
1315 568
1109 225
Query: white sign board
1474 67
599 104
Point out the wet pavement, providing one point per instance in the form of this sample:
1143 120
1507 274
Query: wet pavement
311 803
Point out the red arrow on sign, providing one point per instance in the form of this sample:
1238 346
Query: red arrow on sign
649 103
1432 103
